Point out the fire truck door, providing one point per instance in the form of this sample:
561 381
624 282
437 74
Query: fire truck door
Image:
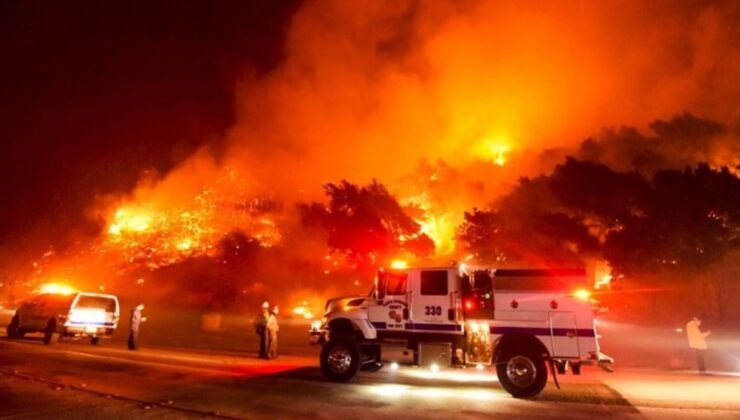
431 301
564 334
388 310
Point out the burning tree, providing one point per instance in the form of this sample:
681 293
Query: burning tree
367 224
676 227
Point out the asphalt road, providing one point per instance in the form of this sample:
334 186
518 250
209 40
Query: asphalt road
76 380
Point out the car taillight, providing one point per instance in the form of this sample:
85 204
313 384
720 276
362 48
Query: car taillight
86 316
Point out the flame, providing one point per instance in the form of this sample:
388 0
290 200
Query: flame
303 310
129 220
157 228
500 152
399 264
437 223
56 288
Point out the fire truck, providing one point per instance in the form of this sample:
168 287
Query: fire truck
520 321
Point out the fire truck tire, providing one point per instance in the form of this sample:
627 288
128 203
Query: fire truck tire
523 374
94 340
51 336
340 359
13 329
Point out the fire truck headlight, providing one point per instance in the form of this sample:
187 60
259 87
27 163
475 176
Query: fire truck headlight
394 366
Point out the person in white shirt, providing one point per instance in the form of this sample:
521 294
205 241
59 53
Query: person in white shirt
698 343
272 330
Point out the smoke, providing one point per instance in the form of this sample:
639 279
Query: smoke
367 91
371 90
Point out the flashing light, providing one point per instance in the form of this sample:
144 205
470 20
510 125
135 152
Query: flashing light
56 289
469 304
463 268
399 264
394 366
479 366
434 367
582 294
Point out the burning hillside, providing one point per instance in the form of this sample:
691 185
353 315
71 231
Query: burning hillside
429 110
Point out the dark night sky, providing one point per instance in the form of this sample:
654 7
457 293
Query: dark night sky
93 93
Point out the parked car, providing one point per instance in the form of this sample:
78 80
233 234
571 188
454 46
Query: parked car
80 315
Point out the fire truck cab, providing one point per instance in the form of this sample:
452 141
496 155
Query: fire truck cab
521 321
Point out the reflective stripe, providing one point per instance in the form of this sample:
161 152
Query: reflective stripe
559 332
583 332
413 326
105 324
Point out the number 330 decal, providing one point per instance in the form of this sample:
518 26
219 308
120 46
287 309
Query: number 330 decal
432 310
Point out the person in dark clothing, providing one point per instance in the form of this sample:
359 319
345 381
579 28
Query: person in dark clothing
136 320
260 327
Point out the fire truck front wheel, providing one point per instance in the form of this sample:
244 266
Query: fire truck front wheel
340 359
523 374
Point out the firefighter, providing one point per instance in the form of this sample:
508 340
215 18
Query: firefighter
698 343
272 330
260 327
136 320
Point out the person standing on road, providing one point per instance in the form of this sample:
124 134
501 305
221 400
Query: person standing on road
136 320
260 327
272 330
698 343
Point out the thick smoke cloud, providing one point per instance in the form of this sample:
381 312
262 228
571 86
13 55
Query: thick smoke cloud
369 90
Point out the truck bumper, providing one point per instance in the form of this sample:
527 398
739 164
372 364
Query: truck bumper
88 331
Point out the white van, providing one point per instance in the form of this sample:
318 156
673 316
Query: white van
80 315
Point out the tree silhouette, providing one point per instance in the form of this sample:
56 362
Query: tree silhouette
366 223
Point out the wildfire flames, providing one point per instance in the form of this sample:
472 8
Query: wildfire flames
157 234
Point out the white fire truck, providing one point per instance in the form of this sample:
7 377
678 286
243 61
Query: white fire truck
522 321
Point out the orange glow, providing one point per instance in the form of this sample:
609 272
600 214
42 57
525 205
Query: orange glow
399 265
582 294
303 310
57 289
